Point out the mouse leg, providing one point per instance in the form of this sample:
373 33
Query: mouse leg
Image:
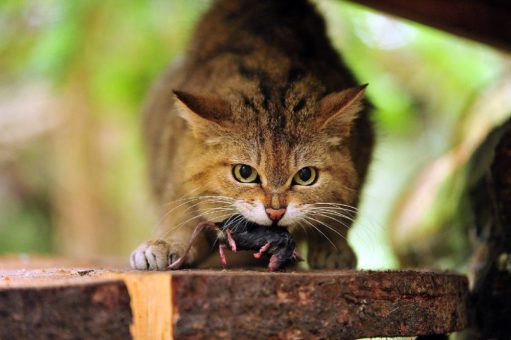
231 241
273 263
221 252
262 250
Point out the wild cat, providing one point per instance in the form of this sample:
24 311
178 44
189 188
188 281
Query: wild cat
259 122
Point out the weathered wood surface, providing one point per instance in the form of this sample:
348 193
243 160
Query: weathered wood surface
70 303
95 310
484 21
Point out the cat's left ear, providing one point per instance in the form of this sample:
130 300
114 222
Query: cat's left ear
339 110
206 116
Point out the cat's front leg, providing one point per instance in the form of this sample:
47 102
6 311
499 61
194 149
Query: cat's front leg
159 254
330 251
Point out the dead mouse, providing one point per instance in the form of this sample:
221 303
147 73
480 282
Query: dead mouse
273 242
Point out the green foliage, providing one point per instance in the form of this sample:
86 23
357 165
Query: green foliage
420 81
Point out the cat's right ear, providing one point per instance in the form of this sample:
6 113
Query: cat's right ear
338 111
206 116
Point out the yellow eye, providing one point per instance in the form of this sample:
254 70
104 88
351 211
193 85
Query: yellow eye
306 176
245 173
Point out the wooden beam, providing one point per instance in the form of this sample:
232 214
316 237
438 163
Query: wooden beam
89 302
60 311
484 21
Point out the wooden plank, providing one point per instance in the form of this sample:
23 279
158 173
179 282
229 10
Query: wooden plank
93 310
484 21
332 305
64 303
151 304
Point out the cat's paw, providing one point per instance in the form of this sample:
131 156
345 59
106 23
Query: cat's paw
155 255
329 257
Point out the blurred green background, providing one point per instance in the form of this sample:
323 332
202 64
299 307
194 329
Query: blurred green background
73 75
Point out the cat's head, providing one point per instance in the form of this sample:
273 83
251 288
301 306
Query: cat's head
271 163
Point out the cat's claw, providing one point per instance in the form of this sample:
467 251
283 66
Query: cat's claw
153 255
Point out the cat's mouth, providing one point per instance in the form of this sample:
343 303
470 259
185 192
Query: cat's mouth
239 221
234 221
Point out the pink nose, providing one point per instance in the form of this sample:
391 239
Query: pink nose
275 214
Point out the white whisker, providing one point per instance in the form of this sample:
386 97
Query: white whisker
347 226
188 208
335 205
236 222
171 230
186 195
305 219
204 214
331 213
327 226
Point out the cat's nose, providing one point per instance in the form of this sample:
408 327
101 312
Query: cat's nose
275 214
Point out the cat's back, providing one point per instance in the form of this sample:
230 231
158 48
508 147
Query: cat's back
274 41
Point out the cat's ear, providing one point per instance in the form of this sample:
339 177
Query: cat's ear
338 111
206 116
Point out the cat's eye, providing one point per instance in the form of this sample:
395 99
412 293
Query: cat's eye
306 176
245 173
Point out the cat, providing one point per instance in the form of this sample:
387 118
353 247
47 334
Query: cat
260 121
